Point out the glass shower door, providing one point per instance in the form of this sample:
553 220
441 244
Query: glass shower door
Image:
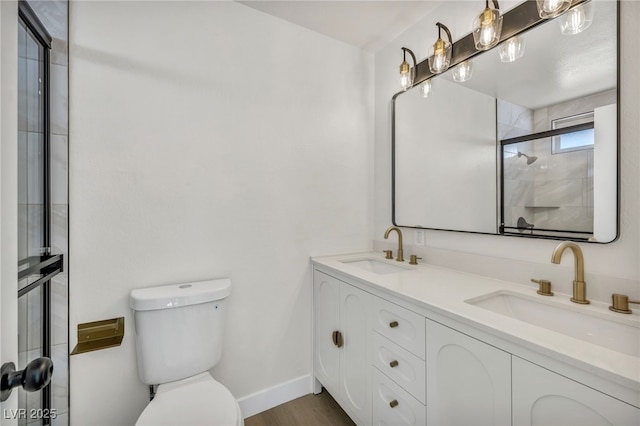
36 264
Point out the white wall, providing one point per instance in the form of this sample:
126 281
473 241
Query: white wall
208 140
619 259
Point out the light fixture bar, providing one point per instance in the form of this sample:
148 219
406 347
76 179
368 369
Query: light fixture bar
516 21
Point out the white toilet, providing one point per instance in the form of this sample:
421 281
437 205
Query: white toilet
179 332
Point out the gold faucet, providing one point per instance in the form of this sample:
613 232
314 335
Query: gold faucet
579 286
400 257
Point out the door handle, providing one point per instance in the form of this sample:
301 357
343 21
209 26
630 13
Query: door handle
34 377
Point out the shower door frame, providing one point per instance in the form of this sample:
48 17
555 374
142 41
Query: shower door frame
514 230
45 265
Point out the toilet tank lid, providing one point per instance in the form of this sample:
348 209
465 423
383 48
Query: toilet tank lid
177 295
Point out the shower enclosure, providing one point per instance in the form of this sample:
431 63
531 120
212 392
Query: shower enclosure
37 265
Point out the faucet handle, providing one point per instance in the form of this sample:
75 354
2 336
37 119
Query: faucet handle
414 259
388 254
620 303
544 288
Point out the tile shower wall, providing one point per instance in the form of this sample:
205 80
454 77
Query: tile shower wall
565 181
513 121
54 16
543 117
555 192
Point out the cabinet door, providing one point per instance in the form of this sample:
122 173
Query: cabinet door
541 397
468 381
355 361
326 305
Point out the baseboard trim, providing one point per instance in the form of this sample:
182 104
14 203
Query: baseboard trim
275 395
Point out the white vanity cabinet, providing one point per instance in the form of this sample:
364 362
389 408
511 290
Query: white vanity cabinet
405 360
341 337
542 397
468 381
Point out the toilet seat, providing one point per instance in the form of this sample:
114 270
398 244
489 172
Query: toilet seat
197 400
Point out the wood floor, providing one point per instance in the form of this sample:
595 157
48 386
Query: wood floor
309 410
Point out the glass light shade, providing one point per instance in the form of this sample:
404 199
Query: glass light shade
577 19
425 89
462 71
406 75
487 28
440 56
552 8
512 49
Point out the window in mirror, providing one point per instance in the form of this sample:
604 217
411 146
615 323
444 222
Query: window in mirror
573 141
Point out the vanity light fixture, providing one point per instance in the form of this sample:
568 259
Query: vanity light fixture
512 49
425 88
487 27
407 73
552 8
440 52
577 19
462 72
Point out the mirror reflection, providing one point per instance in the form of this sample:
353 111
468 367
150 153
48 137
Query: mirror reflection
525 148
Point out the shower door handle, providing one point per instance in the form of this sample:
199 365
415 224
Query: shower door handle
34 377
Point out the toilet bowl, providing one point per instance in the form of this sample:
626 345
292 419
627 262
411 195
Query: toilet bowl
198 400
179 331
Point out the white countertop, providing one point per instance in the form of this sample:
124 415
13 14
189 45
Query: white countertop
444 292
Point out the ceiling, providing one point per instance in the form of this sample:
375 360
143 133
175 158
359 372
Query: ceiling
369 25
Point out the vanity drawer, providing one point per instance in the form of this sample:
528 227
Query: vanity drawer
402 366
392 405
399 325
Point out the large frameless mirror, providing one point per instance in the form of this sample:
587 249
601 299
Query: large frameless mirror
527 148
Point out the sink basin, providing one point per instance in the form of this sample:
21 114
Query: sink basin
621 336
376 266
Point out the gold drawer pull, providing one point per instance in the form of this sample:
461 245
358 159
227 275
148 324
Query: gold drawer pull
394 403
393 363
393 324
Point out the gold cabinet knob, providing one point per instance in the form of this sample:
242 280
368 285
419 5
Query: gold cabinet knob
393 363
393 403
544 288
393 324
388 254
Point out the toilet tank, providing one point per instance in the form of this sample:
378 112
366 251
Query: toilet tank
178 328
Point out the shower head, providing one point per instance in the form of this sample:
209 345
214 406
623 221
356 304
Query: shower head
530 159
